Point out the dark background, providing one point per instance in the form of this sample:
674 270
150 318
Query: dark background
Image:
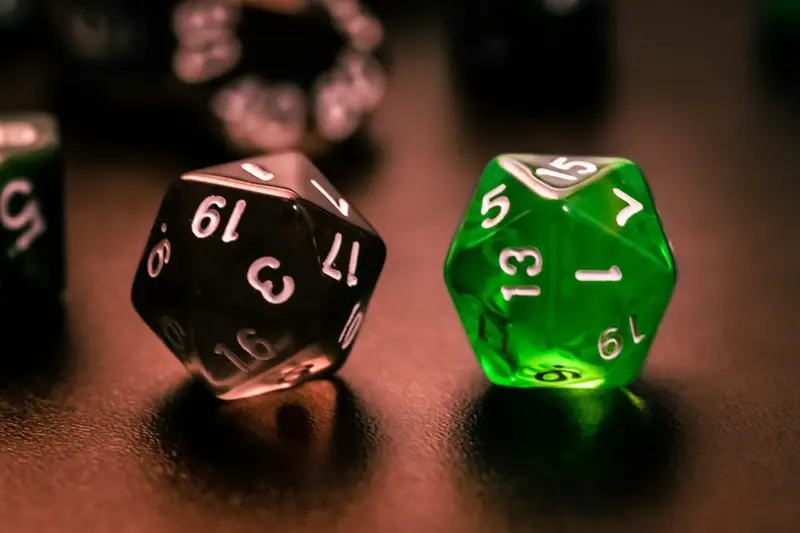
101 430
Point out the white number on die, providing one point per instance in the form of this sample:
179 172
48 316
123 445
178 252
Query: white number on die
258 171
563 164
633 207
159 255
637 337
266 288
491 200
520 255
341 204
207 219
610 343
612 274
174 334
327 265
257 348
351 327
30 216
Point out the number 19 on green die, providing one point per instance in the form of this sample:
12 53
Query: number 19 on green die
560 271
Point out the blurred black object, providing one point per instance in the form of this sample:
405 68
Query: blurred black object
540 53
21 27
246 74
778 43
24 44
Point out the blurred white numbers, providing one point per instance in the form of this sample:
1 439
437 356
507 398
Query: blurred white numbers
341 204
491 200
341 98
337 108
363 30
18 134
267 287
206 220
207 42
567 170
521 256
29 218
612 274
257 348
364 76
174 334
159 255
261 116
629 210
351 327
609 345
328 265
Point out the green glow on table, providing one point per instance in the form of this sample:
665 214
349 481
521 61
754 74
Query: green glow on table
560 271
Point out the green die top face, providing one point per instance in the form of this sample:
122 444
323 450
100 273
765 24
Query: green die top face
560 271
31 205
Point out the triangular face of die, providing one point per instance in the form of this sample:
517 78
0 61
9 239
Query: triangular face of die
557 177
292 172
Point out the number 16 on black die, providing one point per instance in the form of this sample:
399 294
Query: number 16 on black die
257 274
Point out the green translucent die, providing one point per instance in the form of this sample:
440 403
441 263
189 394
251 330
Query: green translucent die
31 207
560 271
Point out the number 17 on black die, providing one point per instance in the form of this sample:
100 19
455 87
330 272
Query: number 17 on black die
257 274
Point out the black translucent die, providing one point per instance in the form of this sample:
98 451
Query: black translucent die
32 272
257 274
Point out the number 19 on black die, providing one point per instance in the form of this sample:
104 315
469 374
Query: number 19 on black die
257 274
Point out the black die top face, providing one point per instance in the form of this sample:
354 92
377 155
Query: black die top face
292 171
31 205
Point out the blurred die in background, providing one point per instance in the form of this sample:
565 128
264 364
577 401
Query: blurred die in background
257 76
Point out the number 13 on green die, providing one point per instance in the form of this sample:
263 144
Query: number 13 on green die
560 271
